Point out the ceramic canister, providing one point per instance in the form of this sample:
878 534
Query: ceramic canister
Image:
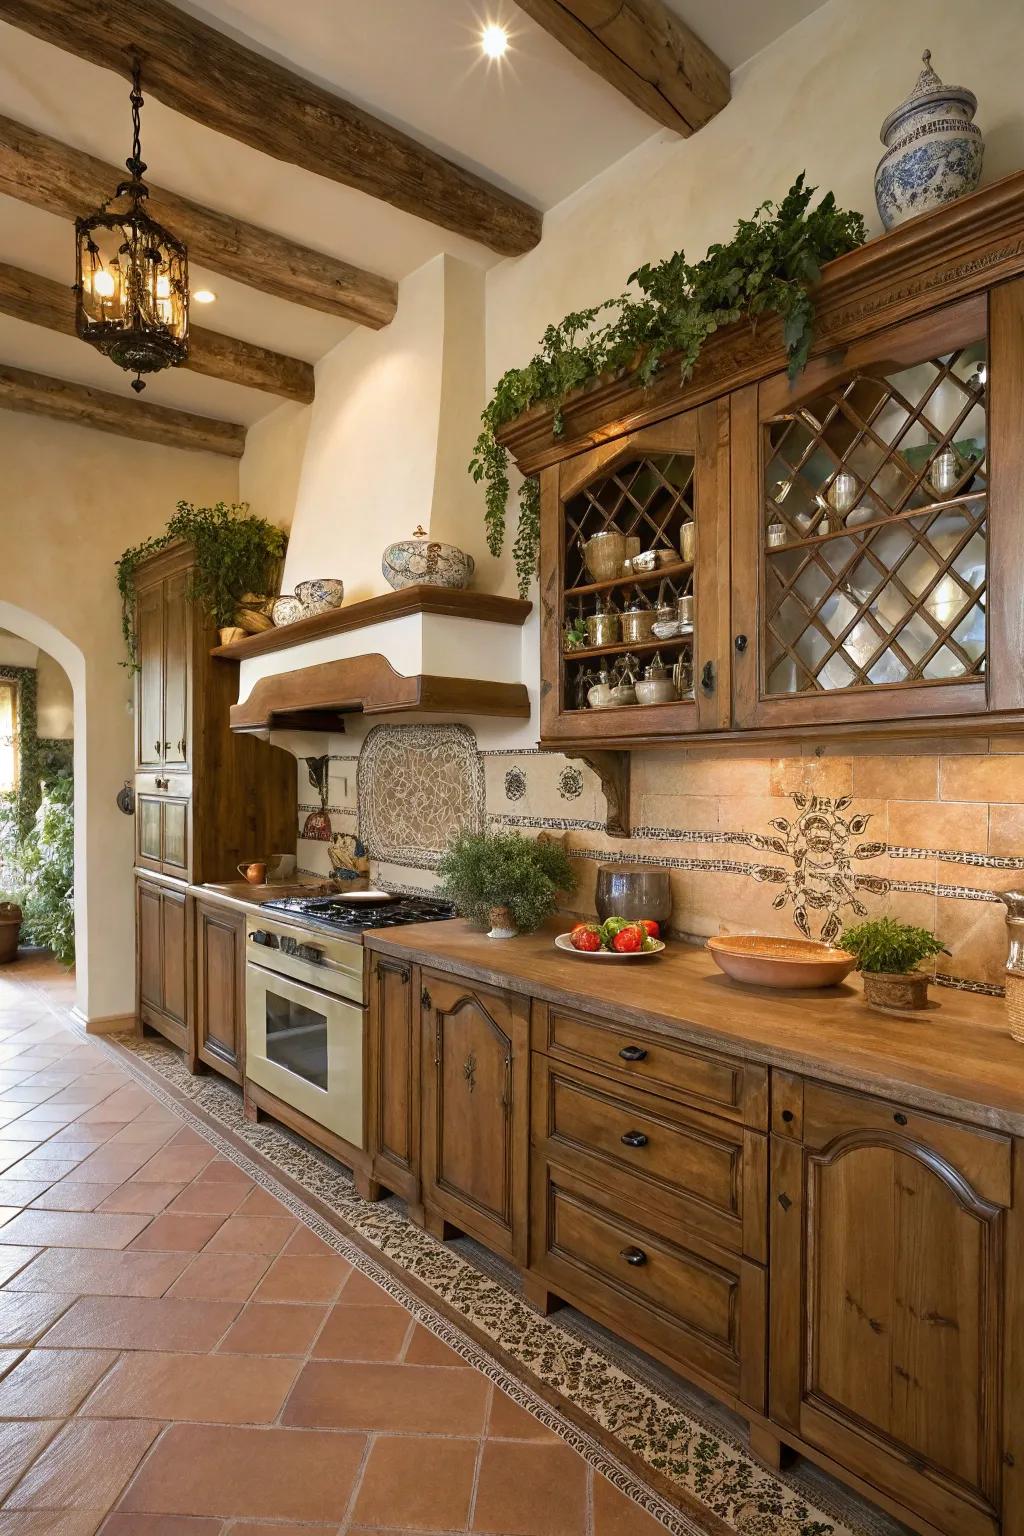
933 149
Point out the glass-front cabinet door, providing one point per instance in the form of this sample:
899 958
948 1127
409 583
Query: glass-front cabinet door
874 545
634 581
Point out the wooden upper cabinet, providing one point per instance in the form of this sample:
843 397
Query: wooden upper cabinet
877 560
177 670
666 489
888 1253
149 705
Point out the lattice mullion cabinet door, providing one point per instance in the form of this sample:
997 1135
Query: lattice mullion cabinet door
664 489
867 546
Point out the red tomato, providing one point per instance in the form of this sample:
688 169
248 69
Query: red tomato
628 940
651 926
587 939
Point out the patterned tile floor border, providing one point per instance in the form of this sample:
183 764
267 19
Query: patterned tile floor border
725 1489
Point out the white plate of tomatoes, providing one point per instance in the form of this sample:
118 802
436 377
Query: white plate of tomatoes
615 939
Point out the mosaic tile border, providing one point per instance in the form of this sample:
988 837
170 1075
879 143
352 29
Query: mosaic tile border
708 1464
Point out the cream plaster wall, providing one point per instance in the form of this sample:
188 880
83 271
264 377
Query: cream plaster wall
73 500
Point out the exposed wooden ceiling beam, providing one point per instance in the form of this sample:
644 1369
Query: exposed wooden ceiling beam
41 395
201 72
643 50
40 170
41 301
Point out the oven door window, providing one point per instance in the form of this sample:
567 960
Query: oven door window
297 1037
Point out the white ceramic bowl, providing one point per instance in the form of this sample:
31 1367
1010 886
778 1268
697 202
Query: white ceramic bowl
320 595
286 609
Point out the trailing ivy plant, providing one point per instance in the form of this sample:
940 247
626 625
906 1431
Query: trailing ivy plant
236 552
769 266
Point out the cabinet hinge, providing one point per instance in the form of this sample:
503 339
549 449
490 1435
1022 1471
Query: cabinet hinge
425 1000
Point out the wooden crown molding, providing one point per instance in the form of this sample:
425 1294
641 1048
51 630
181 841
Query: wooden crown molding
645 52
452 602
195 69
41 301
42 171
40 395
314 698
948 254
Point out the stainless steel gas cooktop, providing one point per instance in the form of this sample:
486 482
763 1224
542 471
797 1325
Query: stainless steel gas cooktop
353 915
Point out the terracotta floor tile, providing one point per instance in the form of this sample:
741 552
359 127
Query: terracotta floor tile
426 1484
85 1466
121 1524
12 1152
425 1348
222 1170
615 1515
132 1322
217 1389
258 1203
73 1229
212 1198
361 1291
424 1399
531 1490
272 1474
305 1241
363 1333
38 1166
510 1422
257 1528
101 1272
176 1165
221 1276
19 1443
50 1383
111 1165
304 1278
73 1197
24 1315
274 1330
146 1196
177 1233
251 1234
21 1191
14 1259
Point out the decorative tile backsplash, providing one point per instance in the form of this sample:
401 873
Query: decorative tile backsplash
772 845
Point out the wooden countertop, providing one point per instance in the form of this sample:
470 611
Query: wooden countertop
249 898
957 1058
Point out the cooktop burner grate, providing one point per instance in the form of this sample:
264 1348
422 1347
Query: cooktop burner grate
333 912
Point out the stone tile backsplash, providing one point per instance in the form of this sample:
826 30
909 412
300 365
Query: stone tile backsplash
774 845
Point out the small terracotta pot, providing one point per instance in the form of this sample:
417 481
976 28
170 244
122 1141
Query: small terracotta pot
10 931
896 993
503 924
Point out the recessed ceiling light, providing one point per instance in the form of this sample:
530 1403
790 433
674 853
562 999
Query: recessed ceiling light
494 41
203 295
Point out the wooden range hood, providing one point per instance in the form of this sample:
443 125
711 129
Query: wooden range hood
319 689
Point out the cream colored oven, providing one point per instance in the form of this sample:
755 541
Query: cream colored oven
305 1020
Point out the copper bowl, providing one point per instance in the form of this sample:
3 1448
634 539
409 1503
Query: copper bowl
764 962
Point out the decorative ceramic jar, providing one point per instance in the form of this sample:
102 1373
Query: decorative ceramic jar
420 561
321 595
933 149
503 924
286 610
605 554
892 992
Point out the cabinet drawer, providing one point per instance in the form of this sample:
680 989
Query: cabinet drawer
981 1157
690 1302
728 1087
688 1168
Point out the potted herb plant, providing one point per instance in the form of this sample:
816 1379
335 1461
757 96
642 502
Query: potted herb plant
503 881
888 954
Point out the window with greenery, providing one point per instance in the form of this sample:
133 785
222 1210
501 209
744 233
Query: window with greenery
10 775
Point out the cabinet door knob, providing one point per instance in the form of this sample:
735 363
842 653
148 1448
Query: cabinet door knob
634 1256
633 1139
707 677
633 1053
900 1119
740 643
787 1115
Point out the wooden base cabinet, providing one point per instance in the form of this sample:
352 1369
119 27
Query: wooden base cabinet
475 1142
394 1076
888 1337
219 1034
162 957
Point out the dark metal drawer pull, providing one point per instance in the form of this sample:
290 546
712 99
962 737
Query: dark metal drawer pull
634 1139
900 1119
633 1053
634 1256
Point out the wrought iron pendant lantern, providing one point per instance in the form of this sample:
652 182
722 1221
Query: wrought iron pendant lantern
131 280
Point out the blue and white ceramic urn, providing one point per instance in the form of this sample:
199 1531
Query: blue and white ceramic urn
933 149
421 561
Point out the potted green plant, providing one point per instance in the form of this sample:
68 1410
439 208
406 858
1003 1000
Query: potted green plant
238 560
503 881
888 954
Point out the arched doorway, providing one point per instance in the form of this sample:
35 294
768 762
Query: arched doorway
28 626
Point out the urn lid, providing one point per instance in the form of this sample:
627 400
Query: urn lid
929 91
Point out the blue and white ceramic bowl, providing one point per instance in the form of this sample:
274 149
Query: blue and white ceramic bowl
321 595
425 562
933 149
